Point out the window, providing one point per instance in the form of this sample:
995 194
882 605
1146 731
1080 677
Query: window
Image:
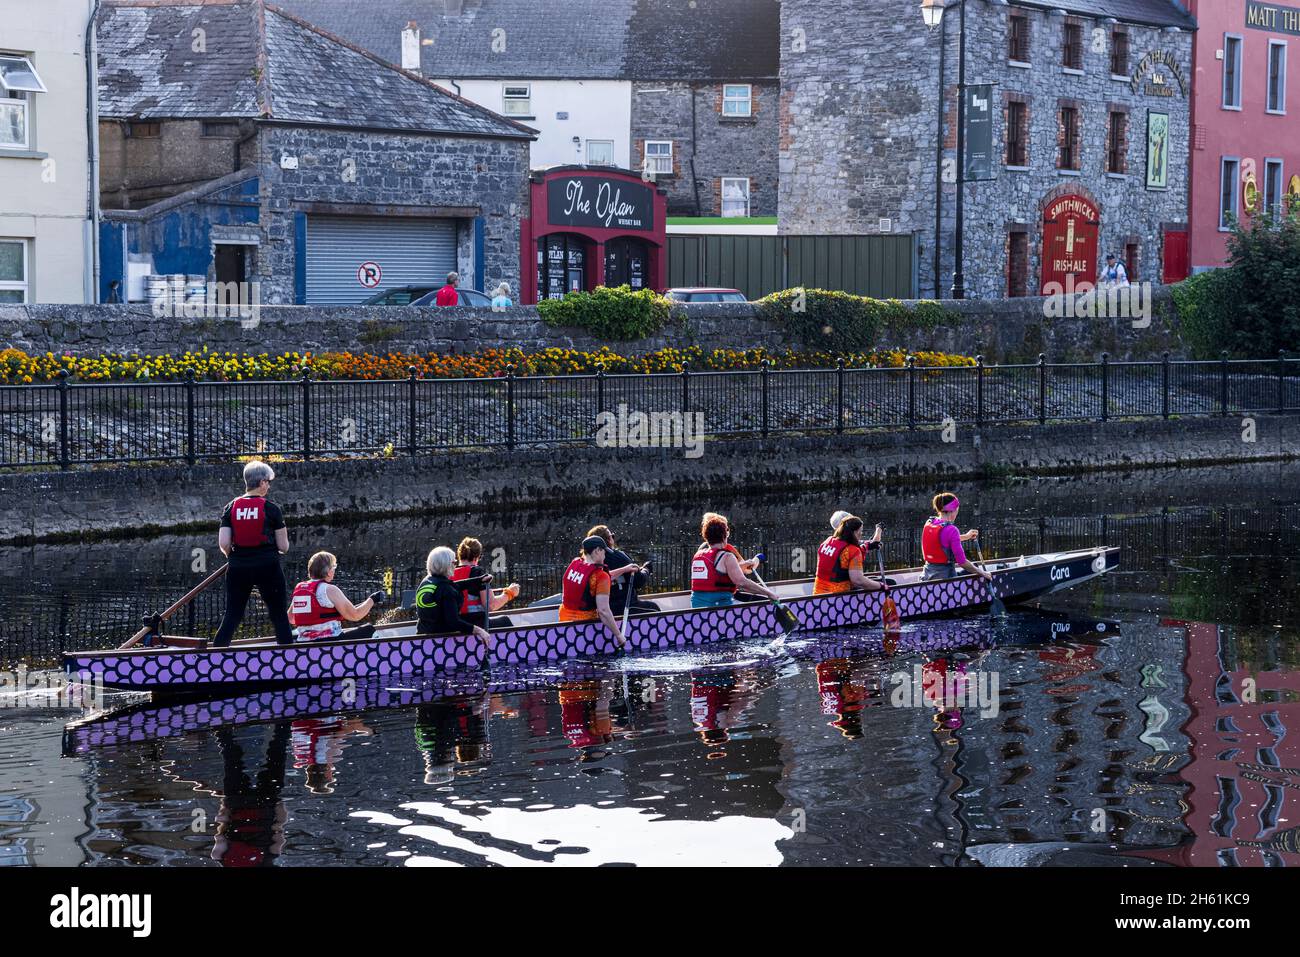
1018 38
13 270
1277 76
1068 157
143 131
659 157
1017 133
18 80
600 152
1231 72
220 129
1072 50
1228 174
735 197
517 100
1118 142
1018 264
737 99
1273 189
1119 52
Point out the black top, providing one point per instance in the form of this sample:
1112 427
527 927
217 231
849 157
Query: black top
267 551
437 604
620 593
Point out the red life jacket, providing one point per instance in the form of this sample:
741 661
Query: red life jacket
931 550
248 522
705 574
305 608
469 602
829 567
576 594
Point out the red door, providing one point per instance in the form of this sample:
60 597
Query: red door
1176 261
1070 227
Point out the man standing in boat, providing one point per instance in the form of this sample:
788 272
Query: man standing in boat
941 542
585 595
253 536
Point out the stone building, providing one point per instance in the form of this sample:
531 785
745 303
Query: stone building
1089 103
241 143
601 79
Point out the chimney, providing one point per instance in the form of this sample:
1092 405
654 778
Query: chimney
411 47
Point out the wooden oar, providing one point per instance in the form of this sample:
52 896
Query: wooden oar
995 604
889 616
784 616
155 621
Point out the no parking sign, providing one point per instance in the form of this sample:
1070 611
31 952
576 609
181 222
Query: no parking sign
369 274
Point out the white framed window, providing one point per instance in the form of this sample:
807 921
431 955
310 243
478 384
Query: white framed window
1276 76
735 196
517 99
13 271
1273 184
18 80
737 99
600 152
659 157
1229 183
1231 72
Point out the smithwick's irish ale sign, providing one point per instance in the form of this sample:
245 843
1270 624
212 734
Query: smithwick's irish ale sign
1273 17
1070 226
601 202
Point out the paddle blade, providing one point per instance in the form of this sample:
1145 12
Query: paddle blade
889 616
996 607
785 617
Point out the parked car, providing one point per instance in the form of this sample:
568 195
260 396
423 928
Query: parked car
705 294
399 295
464 297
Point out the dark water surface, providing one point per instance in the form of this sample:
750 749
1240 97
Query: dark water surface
1150 718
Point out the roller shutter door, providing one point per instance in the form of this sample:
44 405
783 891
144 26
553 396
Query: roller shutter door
408 251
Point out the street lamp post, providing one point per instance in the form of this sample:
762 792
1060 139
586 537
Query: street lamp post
932 12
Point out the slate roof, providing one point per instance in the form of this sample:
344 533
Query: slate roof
703 40
263 62
1159 13
566 39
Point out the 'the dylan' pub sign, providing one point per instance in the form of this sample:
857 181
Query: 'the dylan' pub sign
1273 17
601 202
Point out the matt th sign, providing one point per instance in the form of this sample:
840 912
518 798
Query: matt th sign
1273 17
600 202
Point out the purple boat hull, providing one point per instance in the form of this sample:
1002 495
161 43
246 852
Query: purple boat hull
397 651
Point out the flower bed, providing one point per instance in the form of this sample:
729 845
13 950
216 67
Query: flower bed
19 368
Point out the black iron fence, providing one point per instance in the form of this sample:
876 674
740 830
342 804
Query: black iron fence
69 424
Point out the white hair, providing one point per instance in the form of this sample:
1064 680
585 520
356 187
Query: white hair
440 561
503 289
255 472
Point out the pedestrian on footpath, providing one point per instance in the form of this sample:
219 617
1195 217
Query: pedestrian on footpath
501 298
1114 274
253 536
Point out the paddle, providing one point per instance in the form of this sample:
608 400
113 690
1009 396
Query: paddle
153 622
890 619
995 604
784 616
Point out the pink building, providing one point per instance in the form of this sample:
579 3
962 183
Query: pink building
1245 150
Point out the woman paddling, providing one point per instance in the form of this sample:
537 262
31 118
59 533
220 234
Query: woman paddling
437 600
318 607
718 571
840 559
585 595
474 581
941 542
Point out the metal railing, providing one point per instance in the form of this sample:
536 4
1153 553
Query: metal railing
70 424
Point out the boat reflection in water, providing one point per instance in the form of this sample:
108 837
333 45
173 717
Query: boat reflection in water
1094 757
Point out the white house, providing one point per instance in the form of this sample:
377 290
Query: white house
48 199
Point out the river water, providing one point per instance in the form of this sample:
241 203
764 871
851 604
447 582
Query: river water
1149 718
